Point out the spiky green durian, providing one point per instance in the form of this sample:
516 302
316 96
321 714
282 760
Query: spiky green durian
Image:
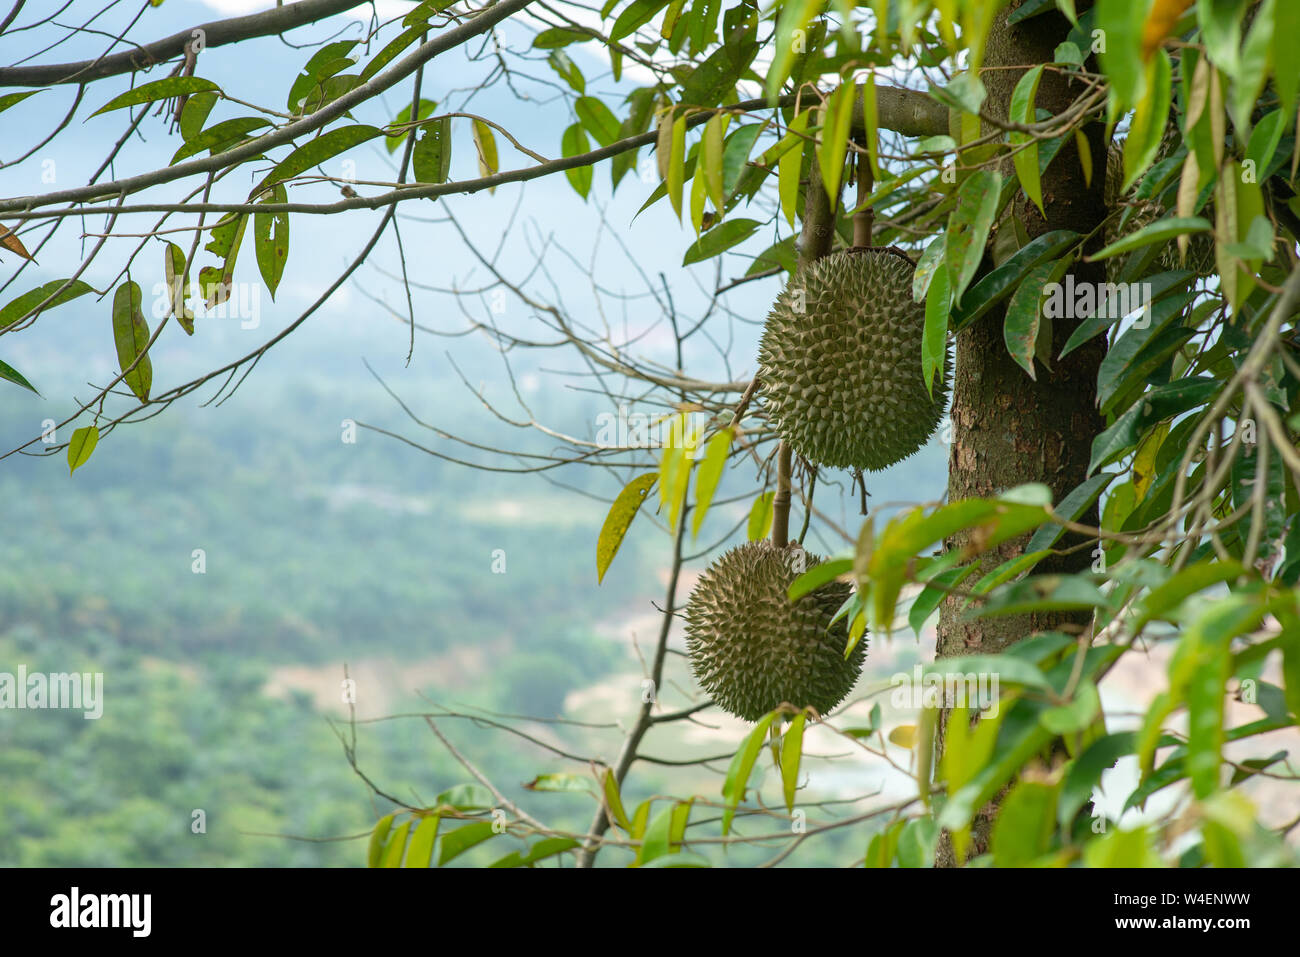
752 648
840 362
1199 257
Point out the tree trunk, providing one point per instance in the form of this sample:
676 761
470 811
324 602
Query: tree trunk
1008 429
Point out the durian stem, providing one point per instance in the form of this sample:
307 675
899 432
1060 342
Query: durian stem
781 501
864 220
808 499
818 219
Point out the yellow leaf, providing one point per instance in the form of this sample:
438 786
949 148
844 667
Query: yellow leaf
790 166
706 480
1160 23
711 158
904 736
620 516
1085 156
1144 462
486 145
837 117
677 164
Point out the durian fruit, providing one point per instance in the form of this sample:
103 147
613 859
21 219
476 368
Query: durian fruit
1200 249
751 648
840 362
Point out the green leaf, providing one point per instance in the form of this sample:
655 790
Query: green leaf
1120 23
636 15
391 143
675 174
9 99
574 143
466 797
791 18
316 151
836 122
966 92
1103 319
1025 822
567 70
709 474
620 516
329 60
195 113
131 336
11 374
546 847
29 300
1161 231
1075 715
614 801
934 340
419 853
431 157
1142 349
219 138
709 168
271 240
1071 508
1009 669
1043 593
1122 849
791 754
164 89
737 782
679 860
790 166
1005 279
485 144
378 838
597 119
177 280
969 224
1149 119
760 517
719 239
1286 65
663 836
927 602
560 782
735 155
1025 155
917 841
82 444
675 466
558 37
391 51
457 842
883 846
396 846
817 576
1020 329
928 265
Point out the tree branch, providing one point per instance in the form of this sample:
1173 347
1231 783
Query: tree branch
444 41
906 106
217 33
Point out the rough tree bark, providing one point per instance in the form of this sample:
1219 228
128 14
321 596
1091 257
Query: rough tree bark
1008 429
